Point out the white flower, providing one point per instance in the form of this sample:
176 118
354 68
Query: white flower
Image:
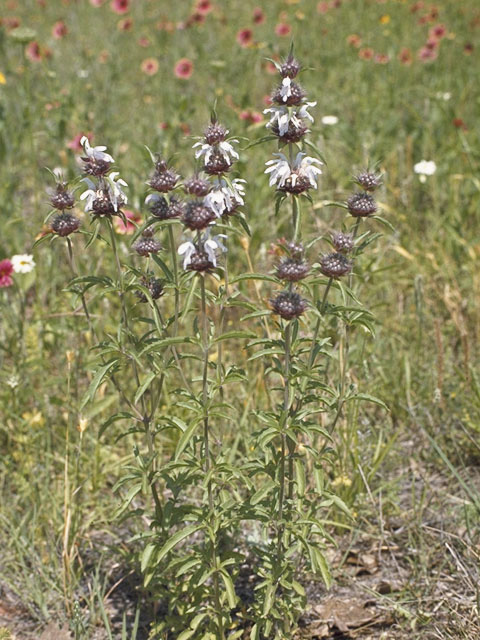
329 120
280 170
425 168
96 153
282 116
116 193
23 263
303 166
225 148
226 197
209 245
286 89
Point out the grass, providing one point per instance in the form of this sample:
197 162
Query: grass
410 474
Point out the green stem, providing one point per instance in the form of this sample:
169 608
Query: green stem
208 463
175 276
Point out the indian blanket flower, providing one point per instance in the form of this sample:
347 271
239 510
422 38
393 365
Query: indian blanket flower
6 270
203 7
297 178
23 263
33 51
244 37
120 6
127 226
183 68
283 29
150 66
258 15
59 30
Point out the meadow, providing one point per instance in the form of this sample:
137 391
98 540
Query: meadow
145 465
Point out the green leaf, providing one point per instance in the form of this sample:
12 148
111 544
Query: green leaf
178 537
187 435
254 276
235 334
231 595
122 415
368 398
300 476
96 381
144 386
146 555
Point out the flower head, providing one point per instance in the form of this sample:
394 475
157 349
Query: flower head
95 162
150 66
183 68
245 37
296 179
225 199
23 263
425 168
202 256
120 6
6 270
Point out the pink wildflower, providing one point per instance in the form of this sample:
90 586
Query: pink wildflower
183 68
120 6
6 270
59 30
283 29
129 227
245 37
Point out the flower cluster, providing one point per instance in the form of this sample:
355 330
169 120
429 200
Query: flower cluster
62 199
362 204
289 114
292 268
213 197
105 195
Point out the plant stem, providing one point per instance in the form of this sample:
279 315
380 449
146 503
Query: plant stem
175 276
206 440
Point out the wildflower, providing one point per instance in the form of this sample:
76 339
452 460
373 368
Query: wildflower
405 56
107 199
366 53
368 180
468 49
329 120
202 256
197 215
3 80
288 93
225 199
335 265
147 244
65 224
125 24
426 54
96 3
96 161
354 40
290 68
155 288
292 269
382 58
218 156
6 270
126 226
120 6
296 179
33 52
361 205
258 16
385 19
197 186
203 7
425 168
183 68
438 31
59 30
323 7
150 66
288 305
215 133
61 198
282 29
244 37
163 178
343 242
23 263
288 122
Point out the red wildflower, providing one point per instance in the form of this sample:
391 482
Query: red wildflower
10 22
59 30
129 227
354 40
459 124
74 143
120 6
381 58
405 56
427 55
32 51
125 24
283 29
183 68
416 6
96 3
144 42
245 37
250 116
439 31
258 15
366 53
6 270
150 66
323 7
203 6
468 49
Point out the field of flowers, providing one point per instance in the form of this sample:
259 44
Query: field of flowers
239 319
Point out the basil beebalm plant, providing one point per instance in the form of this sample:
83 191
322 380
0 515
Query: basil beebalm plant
224 535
